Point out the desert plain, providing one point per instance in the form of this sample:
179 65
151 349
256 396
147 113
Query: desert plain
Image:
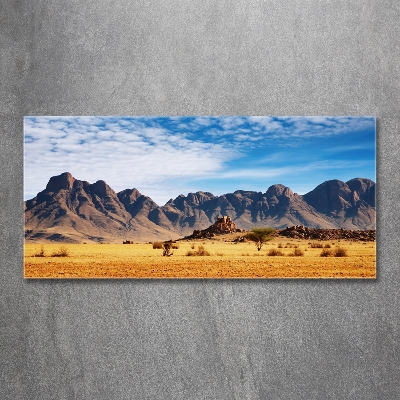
226 259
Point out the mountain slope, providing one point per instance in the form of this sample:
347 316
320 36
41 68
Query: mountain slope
73 210
347 204
278 207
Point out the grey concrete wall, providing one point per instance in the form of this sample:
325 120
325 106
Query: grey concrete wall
207 339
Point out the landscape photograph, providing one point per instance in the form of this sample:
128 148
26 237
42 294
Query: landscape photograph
200 197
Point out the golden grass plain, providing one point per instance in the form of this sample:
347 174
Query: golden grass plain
227 260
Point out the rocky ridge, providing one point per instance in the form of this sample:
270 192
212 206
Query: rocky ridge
72 210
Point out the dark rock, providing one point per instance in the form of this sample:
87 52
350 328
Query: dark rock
299 232
221 226
87 207
60 182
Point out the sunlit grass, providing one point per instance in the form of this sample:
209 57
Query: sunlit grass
225 259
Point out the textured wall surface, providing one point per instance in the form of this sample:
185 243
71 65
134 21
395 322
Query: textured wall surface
206 339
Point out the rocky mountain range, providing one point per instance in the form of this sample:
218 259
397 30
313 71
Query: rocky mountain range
71 210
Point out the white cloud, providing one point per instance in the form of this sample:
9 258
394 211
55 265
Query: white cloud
252 173
283 129
139 152
204 121
288 171
146 159
262 121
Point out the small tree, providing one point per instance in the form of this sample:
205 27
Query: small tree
260 235
167 246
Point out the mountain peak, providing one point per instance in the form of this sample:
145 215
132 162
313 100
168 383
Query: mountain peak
100 188
334 196
98 213
129 195
279 190
360 184
59 182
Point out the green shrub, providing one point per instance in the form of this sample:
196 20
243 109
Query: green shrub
157 245
260 236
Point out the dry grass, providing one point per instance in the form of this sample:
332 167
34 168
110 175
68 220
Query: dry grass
274 252
297 252
337 252
201 251
316 245
326 253
340 252
61 252
225 260
41 252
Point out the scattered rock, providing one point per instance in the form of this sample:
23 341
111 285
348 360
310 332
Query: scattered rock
239 239
301 232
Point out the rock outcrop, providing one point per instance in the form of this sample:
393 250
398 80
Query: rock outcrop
221 226
302 232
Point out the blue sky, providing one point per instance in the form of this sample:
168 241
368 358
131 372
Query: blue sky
166 156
